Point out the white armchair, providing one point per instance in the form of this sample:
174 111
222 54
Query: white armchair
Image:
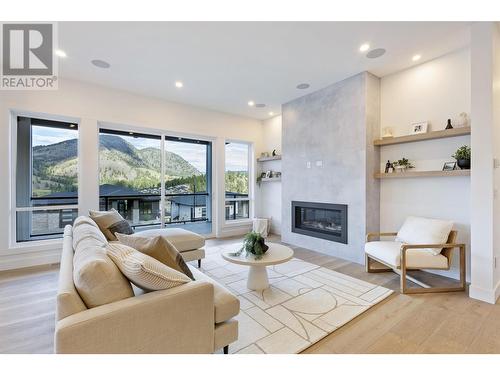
420 244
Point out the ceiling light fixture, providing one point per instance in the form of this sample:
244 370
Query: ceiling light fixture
271 113
251 103
179 84
416 57
60 53
100 64
364 47
303 86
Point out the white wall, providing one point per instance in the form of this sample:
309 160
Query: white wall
91 104
496 171
270 192
433 92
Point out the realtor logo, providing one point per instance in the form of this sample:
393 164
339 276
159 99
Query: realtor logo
28 61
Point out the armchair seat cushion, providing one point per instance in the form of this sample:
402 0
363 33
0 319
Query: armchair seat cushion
389 252
226 304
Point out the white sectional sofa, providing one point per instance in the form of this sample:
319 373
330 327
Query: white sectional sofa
196 317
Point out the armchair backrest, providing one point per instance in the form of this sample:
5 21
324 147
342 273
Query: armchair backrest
448 252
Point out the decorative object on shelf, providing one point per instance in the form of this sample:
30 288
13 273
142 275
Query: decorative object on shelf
402 165
254 244
462 156
274 153
463 120
387 133
264 154
277 174
448 125
388 167
259 178
450 166
419 127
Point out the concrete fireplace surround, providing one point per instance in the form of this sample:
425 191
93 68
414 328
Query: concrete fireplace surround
328 157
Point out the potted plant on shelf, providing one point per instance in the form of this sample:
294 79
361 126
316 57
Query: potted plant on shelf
402 165
462 156
254 244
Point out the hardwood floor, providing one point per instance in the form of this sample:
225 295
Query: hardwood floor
427 323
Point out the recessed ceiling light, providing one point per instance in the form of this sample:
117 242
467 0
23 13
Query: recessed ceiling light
260 105
100 63
374 53
303 86
251 103
416 57
271 113
179 84
60 53
364 47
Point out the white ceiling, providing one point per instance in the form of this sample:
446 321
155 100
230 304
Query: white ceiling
223 65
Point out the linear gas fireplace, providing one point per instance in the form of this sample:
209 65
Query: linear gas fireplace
322 220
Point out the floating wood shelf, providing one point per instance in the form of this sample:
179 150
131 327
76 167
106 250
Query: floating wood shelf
456 132
271 179
269 158
409 174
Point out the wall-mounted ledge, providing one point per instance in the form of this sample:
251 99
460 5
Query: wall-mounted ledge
409 174
439 134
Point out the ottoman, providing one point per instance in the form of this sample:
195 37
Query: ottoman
188 243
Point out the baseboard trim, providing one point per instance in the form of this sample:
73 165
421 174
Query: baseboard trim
16 261
485 295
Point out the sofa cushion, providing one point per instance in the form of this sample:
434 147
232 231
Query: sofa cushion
160 249
226 304
87 234
68 301
182 239
390 252
421 230
144 271
110 222
97 279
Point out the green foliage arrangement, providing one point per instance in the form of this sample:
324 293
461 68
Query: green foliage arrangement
463 153
254 244
403 163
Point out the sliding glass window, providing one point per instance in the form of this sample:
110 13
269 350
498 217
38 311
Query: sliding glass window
134 173
236 180
130 176
46 178
188 184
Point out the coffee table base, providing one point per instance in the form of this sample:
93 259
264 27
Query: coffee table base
257 278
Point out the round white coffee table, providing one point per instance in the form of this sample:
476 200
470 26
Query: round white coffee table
257 274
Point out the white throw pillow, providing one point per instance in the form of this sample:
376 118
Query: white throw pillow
421 231
142 270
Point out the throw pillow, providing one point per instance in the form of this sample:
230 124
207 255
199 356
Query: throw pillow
97 279
159 248
111 222
144 271
421 230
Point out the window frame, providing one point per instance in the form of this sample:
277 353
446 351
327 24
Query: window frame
250 199
13 209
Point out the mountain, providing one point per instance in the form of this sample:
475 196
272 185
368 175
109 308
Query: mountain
55 166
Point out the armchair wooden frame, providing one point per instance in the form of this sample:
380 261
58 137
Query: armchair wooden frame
447 251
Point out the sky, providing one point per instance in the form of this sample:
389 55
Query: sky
195 154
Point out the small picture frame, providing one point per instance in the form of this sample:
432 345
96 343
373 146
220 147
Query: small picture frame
419 128
450 166
268 174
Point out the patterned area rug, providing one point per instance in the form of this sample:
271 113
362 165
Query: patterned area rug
304 303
